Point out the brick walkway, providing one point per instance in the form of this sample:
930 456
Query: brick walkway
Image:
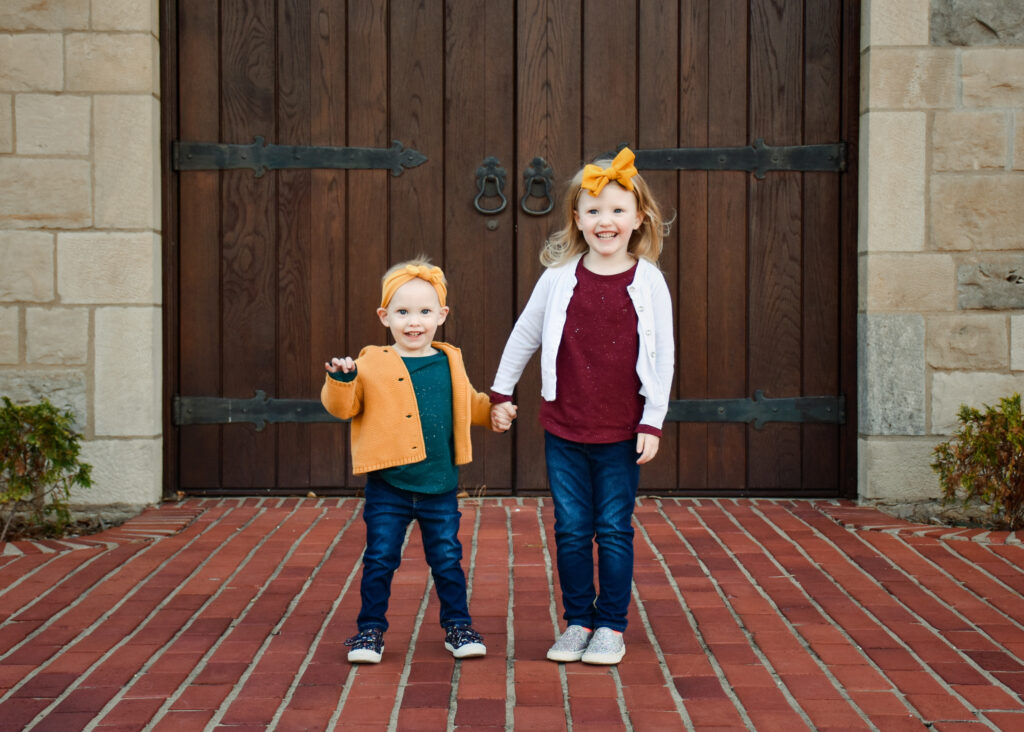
767 615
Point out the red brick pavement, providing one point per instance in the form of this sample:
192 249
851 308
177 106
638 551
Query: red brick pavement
748 614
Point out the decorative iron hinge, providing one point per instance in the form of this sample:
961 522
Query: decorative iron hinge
758 158
760 410
261 158
259 410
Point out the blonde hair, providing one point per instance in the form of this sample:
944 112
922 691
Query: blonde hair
645 242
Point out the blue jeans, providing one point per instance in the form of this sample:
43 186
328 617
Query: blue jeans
387 512
594 488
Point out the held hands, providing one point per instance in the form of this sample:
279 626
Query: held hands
502 415
344 365
646 447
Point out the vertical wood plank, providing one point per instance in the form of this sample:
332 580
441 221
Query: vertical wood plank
249 337
547 125
479 106
609 76
727 245
775 230
199 223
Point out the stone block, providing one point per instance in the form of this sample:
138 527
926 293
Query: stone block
128 365
57 336
31 62
127 161
977 23
892 181
27 272
900 78
57 15
53 124
963 141
125 472
6 123
110 62
993 284
908 282
897 469
1017 342
65 388
977 212
126 15
1018 143
993 77
109 268
974 388
969 342
10 335
891 374
43 192
895 23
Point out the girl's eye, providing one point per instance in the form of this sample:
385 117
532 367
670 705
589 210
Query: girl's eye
402 311
619 210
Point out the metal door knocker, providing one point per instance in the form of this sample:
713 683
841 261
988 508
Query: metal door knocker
490 181
537 184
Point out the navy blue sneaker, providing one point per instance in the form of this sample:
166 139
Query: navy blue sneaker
367 646
464 642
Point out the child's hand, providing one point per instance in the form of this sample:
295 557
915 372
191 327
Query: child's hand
344 365
646 447
502 415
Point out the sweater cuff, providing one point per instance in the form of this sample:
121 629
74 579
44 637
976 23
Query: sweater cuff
497 398
342 376
648 430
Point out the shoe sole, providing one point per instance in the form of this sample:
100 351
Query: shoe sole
470 650
603 659
362 655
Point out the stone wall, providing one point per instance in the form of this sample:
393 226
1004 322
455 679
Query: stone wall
80 280
941 235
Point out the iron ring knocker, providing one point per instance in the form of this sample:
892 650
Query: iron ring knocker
490 180
537 184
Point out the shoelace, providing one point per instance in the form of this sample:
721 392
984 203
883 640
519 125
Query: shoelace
461 634
364 639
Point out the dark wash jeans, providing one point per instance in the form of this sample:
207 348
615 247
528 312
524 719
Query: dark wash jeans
387 512
594 488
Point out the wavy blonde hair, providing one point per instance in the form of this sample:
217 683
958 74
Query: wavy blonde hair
645 242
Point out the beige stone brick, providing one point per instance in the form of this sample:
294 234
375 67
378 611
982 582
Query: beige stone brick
1017 342
892 181
125 15
10 335
45 192
898 78
27 271
48 124
977 212
969 342
127 377
65 388
897 468
909 283
950 389
31 62
109 268
964 141
6 123
110 62
127 162
1018 142
124 472
55 15
993 77
57 336
895 23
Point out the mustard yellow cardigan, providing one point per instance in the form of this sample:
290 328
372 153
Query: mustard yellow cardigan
381 403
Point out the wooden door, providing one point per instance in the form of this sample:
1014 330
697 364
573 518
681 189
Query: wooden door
269 275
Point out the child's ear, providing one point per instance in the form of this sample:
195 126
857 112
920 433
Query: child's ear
382 313
443 314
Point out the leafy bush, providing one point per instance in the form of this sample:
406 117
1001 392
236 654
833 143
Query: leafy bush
38 465
985 459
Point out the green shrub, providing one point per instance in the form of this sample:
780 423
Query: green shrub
985 460
38 465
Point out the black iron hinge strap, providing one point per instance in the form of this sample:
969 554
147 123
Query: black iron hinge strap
758 158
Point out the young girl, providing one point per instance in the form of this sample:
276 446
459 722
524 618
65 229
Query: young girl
602 315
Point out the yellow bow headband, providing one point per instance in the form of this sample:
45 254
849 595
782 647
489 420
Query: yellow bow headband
621 170
399 277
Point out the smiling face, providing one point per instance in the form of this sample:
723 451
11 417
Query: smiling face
607 222
413 316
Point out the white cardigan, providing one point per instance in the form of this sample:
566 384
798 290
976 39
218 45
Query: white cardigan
543 319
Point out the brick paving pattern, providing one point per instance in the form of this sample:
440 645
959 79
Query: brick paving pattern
230 614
